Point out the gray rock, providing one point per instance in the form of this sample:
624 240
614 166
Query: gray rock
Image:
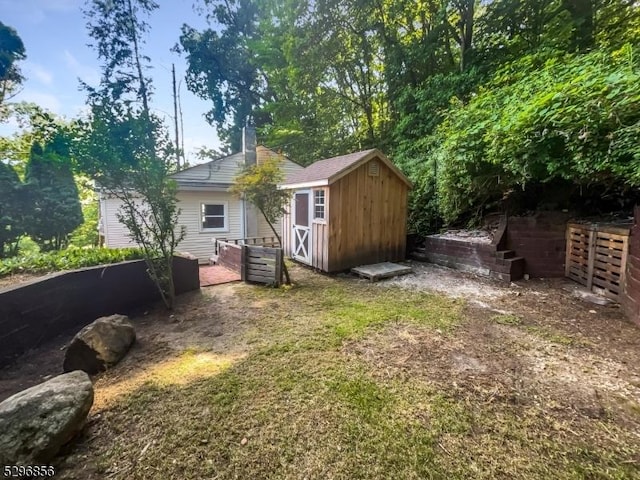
37 422
100 344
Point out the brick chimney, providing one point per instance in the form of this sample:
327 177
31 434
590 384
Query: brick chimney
249 145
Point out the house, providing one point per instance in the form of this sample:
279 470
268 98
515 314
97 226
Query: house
347 211
208 209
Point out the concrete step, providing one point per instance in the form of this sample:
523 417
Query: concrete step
505 254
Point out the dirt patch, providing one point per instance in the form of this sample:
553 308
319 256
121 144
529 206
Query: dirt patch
17 279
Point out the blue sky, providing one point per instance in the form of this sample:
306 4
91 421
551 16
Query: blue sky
55 38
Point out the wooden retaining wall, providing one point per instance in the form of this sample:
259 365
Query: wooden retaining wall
541 240
630 298
596 257
34 312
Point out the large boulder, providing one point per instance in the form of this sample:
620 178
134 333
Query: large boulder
36 422
100 344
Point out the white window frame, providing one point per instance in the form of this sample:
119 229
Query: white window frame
323 204
201 216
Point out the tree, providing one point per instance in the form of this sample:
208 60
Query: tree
53 202
258 184
11 51
124 147
11 210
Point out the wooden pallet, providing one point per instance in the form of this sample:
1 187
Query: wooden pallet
596 257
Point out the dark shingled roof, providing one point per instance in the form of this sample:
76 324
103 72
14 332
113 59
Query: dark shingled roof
325 169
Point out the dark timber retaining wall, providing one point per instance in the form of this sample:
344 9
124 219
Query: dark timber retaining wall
541 240
32 313
630 298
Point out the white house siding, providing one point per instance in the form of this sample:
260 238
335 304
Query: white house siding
116 234
197 242
218 171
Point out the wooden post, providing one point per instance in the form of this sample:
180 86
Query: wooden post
243 262
593 235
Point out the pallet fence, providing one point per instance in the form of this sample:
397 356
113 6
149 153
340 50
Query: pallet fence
596 257
258 264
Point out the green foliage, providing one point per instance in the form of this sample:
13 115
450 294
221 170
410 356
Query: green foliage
570 117
11 210
258 184
86 235
54 209
68 259
11 51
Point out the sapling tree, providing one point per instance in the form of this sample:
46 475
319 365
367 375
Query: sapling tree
258 184
124 147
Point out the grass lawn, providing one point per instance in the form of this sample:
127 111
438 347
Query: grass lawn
339 378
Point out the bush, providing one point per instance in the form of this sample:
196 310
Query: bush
69 259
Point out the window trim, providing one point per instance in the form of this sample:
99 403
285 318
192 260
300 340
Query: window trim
225 206
323 204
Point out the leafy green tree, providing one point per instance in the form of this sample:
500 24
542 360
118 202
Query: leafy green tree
258 184
54 206
124 147
11 210
11 51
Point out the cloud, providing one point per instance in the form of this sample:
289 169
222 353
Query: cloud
35 11
34 70
86 73
45 100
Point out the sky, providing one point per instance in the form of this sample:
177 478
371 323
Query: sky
55 37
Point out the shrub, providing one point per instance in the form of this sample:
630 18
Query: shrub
68 259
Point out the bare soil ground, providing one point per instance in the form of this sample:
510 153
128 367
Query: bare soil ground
437 374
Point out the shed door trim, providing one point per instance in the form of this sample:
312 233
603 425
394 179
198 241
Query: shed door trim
301 238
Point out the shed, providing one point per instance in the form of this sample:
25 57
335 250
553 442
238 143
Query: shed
346 211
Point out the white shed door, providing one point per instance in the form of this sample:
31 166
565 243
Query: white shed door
301 234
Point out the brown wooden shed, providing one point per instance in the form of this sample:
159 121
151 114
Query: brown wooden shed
347 211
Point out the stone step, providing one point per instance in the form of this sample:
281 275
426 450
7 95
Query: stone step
505 254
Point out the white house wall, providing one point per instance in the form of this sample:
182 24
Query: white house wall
219 171
116 234
197 242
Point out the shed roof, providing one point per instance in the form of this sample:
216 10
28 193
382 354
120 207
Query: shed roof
326 172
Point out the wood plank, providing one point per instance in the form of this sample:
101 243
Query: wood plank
607 267
615 244
611 236
606 285
617 261
262 268
251 277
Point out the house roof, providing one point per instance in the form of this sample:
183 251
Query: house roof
326 172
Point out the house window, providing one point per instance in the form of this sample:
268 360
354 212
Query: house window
318 204
214 217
